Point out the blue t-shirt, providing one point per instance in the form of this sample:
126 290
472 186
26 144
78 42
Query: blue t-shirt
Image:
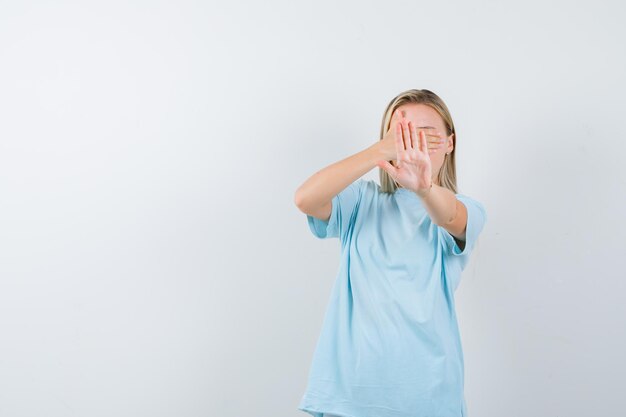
390 344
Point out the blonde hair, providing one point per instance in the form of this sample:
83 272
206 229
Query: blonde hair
447 174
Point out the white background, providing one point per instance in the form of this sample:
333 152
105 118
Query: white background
153 263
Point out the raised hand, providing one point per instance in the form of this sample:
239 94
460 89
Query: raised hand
388 142
414 169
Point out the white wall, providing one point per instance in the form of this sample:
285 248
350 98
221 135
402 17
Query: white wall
152 262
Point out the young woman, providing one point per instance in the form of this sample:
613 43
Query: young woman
390 344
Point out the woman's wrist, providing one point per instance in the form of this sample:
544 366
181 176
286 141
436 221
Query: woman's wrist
426 193
377 150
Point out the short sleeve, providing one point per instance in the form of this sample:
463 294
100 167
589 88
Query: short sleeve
344 207
476 219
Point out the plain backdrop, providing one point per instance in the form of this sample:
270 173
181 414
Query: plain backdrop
152 260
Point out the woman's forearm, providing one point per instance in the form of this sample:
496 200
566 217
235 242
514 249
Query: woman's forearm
440 204
321 187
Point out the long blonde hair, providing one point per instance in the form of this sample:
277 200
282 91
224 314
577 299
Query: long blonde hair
447 174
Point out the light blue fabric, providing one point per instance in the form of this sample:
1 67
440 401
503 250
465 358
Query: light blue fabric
390 344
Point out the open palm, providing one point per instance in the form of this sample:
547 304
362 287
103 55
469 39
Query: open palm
414 170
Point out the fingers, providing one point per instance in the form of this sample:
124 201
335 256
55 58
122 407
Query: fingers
409 137
419 140
399 141
404 140
434 140
414 135
415 138
396 117
390 169
424 145
432 136
406 133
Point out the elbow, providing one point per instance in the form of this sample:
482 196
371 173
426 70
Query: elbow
299 199
305 202
450 221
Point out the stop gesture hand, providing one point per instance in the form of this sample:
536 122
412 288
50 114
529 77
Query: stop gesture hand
414 169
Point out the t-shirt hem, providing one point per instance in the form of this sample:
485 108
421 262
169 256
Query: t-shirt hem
319 413
317 407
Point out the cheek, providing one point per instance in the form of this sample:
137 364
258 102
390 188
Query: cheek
436 158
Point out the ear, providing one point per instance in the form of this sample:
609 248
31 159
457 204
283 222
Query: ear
450 146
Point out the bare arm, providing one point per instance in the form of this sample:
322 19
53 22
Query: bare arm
447 211
314 196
